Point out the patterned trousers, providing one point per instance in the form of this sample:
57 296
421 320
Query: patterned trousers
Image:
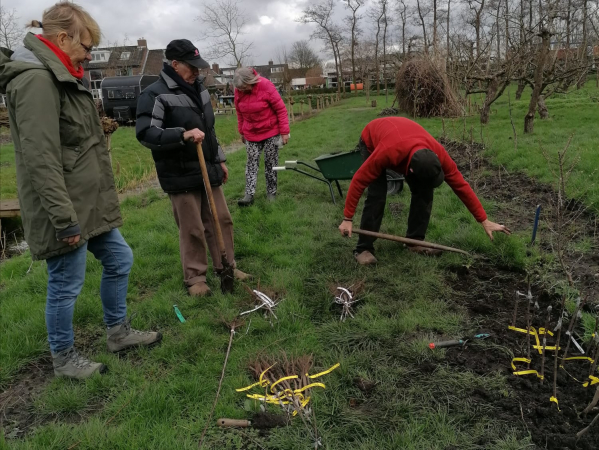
271 159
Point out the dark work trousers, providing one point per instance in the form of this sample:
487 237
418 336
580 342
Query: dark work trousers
421 205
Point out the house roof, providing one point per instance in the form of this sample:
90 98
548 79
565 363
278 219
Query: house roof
154 63
115 61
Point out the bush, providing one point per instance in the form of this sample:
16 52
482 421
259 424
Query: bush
423 90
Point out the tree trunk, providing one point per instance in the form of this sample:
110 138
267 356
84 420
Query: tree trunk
491 94
582 55
478 23
376 55
529 119
335 56
498 28
447 26
403 36
507 28
568 21
542 107
385 58
520 90
353 46
435 27
423 27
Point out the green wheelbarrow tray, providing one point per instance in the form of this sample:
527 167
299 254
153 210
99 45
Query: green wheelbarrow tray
340 166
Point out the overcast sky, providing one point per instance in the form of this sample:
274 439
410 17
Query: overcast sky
272 22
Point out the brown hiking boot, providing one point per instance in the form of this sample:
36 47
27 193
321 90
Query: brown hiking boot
200 289
69 363
425 250
121 337
365 258
241 276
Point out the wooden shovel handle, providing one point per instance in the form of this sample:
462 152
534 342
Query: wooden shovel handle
225 423
219 234
408 241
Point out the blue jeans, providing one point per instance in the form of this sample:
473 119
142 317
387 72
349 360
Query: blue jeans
66 274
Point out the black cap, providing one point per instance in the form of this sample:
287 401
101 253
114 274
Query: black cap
425 168
184 50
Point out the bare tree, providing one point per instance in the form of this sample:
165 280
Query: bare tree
422 13
321 15
11 34
302 56
402 11
477 8
354 5
225 21
377 16
545 33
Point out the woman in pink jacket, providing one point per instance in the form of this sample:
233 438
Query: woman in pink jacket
263 125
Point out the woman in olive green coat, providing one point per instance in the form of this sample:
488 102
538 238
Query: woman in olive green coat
65 183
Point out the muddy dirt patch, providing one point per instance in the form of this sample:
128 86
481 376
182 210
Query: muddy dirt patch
17 413
489 295
517 197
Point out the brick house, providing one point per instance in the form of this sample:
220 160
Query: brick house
123 60
278 74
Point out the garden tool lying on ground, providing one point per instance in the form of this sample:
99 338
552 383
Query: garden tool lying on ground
227 274
444 344
260 421
408 241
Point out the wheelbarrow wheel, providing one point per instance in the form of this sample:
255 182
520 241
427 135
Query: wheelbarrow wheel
394 182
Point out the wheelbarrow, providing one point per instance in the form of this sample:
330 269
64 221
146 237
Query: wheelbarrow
340 166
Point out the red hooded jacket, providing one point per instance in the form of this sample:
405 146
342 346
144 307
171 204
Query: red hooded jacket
392 141
261 113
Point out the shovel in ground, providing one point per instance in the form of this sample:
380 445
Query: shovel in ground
227 274
408 241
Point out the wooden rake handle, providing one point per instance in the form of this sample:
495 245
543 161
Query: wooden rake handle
219 234
409 241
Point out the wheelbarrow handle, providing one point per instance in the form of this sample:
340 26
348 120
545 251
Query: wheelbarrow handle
279 168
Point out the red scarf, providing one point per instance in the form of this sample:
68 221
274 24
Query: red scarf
64 58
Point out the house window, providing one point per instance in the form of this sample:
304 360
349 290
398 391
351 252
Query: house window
100 56
122 72
95 77
276 69
125 56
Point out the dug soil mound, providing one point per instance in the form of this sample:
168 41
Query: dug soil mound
489 294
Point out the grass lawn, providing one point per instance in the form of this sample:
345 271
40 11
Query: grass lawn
131 161
161 398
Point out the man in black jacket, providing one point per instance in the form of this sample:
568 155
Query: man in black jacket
173 115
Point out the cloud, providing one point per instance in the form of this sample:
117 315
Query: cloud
272 23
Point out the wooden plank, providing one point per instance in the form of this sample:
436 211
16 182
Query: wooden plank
10 208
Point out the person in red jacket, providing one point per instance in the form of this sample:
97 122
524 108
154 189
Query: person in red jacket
402 145
263 124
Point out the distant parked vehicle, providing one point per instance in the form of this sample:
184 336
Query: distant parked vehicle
120 94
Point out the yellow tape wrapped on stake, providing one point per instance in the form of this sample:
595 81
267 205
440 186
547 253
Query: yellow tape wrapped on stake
287 396
583 358
592 381
524 372
280 380
323 373
261 381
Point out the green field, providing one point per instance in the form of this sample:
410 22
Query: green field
161 398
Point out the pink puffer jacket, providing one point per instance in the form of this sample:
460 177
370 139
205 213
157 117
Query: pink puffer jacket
261 114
